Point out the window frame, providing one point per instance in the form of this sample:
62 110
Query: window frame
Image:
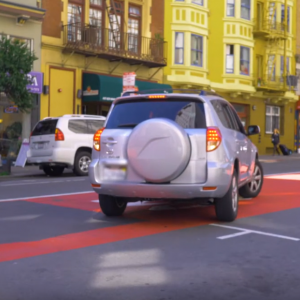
241 48
179 48
140 20
198 51
249 9
196 2
272 115
288 16
232 55
230 5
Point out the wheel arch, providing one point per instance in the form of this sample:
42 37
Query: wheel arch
82 149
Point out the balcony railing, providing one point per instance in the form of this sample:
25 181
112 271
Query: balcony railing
278 83
268 27
115 46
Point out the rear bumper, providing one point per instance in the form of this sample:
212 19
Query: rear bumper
58 157
218 175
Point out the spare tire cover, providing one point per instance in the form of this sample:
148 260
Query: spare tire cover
158 150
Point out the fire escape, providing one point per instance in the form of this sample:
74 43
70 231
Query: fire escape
275 35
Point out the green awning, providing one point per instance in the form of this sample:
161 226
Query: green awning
107 88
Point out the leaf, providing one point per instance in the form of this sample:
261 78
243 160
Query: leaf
16 60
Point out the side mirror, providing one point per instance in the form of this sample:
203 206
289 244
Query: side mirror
253 130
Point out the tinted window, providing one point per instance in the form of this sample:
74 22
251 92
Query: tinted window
95 125
233 121
222 114
185 112
78 126
238 121
45 127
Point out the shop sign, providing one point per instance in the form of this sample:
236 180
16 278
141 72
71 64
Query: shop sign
11 110
129 81
90 92
36 86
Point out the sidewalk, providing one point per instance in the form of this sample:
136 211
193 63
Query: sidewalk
28 171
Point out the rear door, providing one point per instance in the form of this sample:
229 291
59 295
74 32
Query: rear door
43 138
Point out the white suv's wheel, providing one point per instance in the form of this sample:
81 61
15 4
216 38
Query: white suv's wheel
227 207
82 162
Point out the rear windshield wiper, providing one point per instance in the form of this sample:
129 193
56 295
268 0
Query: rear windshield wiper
131 125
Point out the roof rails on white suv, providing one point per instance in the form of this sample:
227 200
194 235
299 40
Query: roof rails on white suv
77 116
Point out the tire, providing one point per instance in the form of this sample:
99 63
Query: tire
227 207
253 188
112 206
81 164
53 171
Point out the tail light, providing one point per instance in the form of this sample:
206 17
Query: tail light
97 139
59 136
213 138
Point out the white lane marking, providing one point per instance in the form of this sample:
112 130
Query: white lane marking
294 176
224 237
256 232
20 218
38 182
277 174
45 196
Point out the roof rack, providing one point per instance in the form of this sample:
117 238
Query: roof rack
171 91
83 116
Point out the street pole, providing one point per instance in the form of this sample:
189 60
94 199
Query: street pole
285 42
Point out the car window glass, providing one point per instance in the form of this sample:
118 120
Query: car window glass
78 126
233 121
222 114
45 127
185 112
95 125
238 121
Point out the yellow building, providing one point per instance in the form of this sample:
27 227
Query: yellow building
86 48
238 48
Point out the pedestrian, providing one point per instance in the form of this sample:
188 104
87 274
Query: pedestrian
275 141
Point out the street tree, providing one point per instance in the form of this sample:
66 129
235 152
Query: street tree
16 61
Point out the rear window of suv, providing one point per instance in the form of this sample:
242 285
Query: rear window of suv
185 112
45 127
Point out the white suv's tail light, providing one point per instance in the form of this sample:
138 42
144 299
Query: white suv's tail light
213 138
59 136
97 139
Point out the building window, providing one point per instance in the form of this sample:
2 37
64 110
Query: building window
196 50
230 8
282 67
75 19
96 22
199 2
179 47
271 68
288 16
134 25
116 22
245 9
245 61
272 15
27 42
229 58
272 118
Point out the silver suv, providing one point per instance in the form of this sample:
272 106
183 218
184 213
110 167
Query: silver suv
174 146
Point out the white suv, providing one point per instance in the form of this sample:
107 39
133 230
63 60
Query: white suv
64 142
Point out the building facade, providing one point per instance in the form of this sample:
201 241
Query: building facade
87 46
21 20
238 49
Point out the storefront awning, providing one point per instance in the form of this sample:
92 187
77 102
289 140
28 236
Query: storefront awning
107 88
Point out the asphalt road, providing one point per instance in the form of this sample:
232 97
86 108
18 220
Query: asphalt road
63 247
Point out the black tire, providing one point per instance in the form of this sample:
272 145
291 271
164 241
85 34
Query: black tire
53 171
253 188
112 206
227 207
81 163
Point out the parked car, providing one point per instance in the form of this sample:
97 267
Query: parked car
175 146
64 142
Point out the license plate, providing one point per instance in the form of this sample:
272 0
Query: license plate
114 173
40 146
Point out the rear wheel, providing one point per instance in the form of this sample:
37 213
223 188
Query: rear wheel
53 171
227 207
112 206
253 188
82 162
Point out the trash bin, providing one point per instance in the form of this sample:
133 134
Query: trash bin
5 166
